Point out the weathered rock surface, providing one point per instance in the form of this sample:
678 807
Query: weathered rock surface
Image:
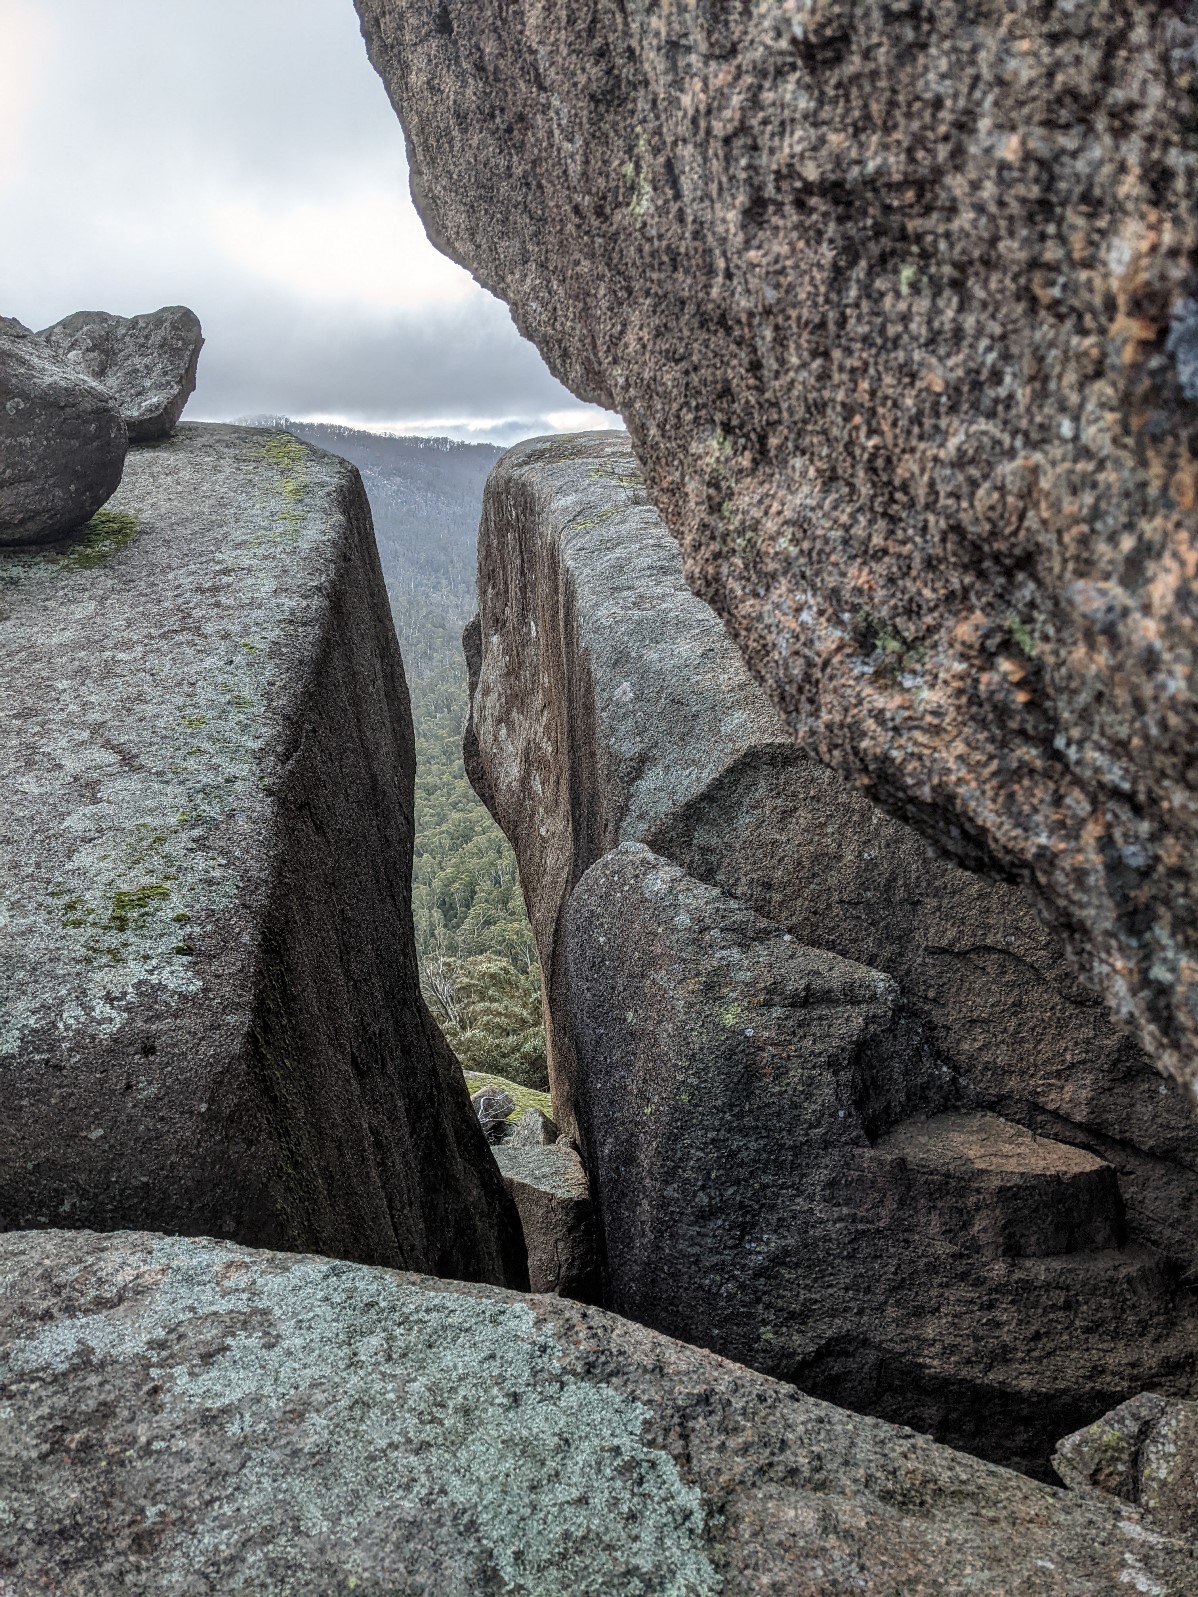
188 1416
1146 1452
1001 1113
62 442
210 1018
956 1274
549 1186
899 303
533 1130
148 363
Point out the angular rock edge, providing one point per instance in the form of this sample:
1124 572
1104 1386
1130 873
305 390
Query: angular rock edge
181 1411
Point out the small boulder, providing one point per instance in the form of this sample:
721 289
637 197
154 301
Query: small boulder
1146 1452
492 1106
147 363
62 441
534 1130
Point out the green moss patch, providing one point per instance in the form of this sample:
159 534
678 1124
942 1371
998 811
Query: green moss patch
284 451
523 1097
105 535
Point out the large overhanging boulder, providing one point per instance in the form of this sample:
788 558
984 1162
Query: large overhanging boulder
186 1416
899 304
210 1017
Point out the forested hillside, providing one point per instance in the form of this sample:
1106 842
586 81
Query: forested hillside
477 961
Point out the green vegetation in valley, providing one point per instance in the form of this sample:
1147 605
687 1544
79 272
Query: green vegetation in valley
478 964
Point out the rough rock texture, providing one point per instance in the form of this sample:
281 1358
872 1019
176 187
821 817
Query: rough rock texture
209 1010
148 363
899 303
549 1186
62 442
957 1274
609 707
1146 1452
189 1416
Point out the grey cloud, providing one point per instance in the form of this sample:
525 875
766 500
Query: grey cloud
151 108
466 361
268 90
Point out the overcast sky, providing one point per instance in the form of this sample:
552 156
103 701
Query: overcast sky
241 157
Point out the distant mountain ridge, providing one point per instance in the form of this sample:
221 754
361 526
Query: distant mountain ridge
425 494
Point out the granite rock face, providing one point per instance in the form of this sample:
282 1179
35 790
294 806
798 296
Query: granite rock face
187 1415
148 363
210 1017
998 1132
899 304
1146 1452
62 442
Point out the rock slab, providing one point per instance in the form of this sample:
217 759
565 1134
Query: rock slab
899 304
187 1416
550 1189
210 1017
62 442
610 709
148 363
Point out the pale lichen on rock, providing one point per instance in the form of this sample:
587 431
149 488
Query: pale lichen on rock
183 1415
99 899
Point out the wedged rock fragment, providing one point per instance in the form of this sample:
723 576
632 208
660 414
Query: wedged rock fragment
1005 1191
187 1416
1146 1452
609 706
62 442
148 363
948 1274
533 1130
898 301
550 1189
210 1017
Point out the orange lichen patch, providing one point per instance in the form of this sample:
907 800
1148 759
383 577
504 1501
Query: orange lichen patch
968 631
1132 333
